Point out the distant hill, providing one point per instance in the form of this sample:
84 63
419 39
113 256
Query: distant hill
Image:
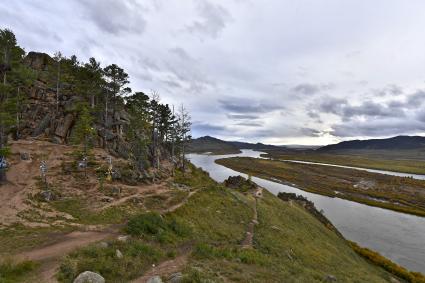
395 143
217 146
213 145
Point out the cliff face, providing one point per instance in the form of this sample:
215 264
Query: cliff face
53 117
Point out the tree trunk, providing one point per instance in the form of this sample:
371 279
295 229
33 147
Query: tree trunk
17 114
57 85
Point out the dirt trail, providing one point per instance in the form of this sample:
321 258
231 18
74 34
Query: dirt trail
186 199
49 255
248 241
165 268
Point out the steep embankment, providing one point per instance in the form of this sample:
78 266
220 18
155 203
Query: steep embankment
205 239
187 223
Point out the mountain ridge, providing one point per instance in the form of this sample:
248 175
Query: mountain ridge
393 143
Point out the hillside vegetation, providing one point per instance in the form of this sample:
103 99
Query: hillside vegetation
204 237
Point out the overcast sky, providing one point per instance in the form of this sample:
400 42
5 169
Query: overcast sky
284 72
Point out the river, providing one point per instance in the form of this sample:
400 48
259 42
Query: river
398 236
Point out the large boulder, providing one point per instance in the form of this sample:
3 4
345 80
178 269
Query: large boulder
89 277
64 126
239 182
42 126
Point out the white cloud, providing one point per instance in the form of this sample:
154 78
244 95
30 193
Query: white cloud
270 71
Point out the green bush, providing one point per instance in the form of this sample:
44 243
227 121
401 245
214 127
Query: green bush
156 226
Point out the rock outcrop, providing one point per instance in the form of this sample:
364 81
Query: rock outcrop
51 117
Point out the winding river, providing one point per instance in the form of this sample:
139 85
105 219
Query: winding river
398 236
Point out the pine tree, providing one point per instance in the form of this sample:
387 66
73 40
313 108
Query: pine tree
183 133
139 128
83 131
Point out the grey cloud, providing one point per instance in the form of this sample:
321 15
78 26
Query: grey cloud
181 53
378 128
207 128
250 124
346 111
309 88
391 89
310 132
115 16
214 19
245 106
172 84
332 105
242 116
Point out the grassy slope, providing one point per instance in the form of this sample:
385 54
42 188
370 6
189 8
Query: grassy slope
219 218
326 180
289 244
379 162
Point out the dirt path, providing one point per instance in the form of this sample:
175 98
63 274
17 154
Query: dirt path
248 241
186 199
49 255
165 268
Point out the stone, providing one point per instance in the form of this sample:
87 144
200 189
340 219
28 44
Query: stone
47 196
106 199
25 156
175 277
37 60
123 238
63 128
118 253
393 280
89 277
103 244
116 174
238 182
155 279
44 123
330 278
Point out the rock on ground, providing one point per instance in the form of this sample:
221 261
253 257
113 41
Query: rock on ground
89 277
175 277
155 279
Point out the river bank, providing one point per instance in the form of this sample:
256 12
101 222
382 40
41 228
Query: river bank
379 229
391 192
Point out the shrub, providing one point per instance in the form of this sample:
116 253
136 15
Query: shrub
376 258
154 225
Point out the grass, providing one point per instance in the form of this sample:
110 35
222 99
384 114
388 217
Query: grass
11 271
379 162
396 193
138 256
17 237
78 209
290 245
